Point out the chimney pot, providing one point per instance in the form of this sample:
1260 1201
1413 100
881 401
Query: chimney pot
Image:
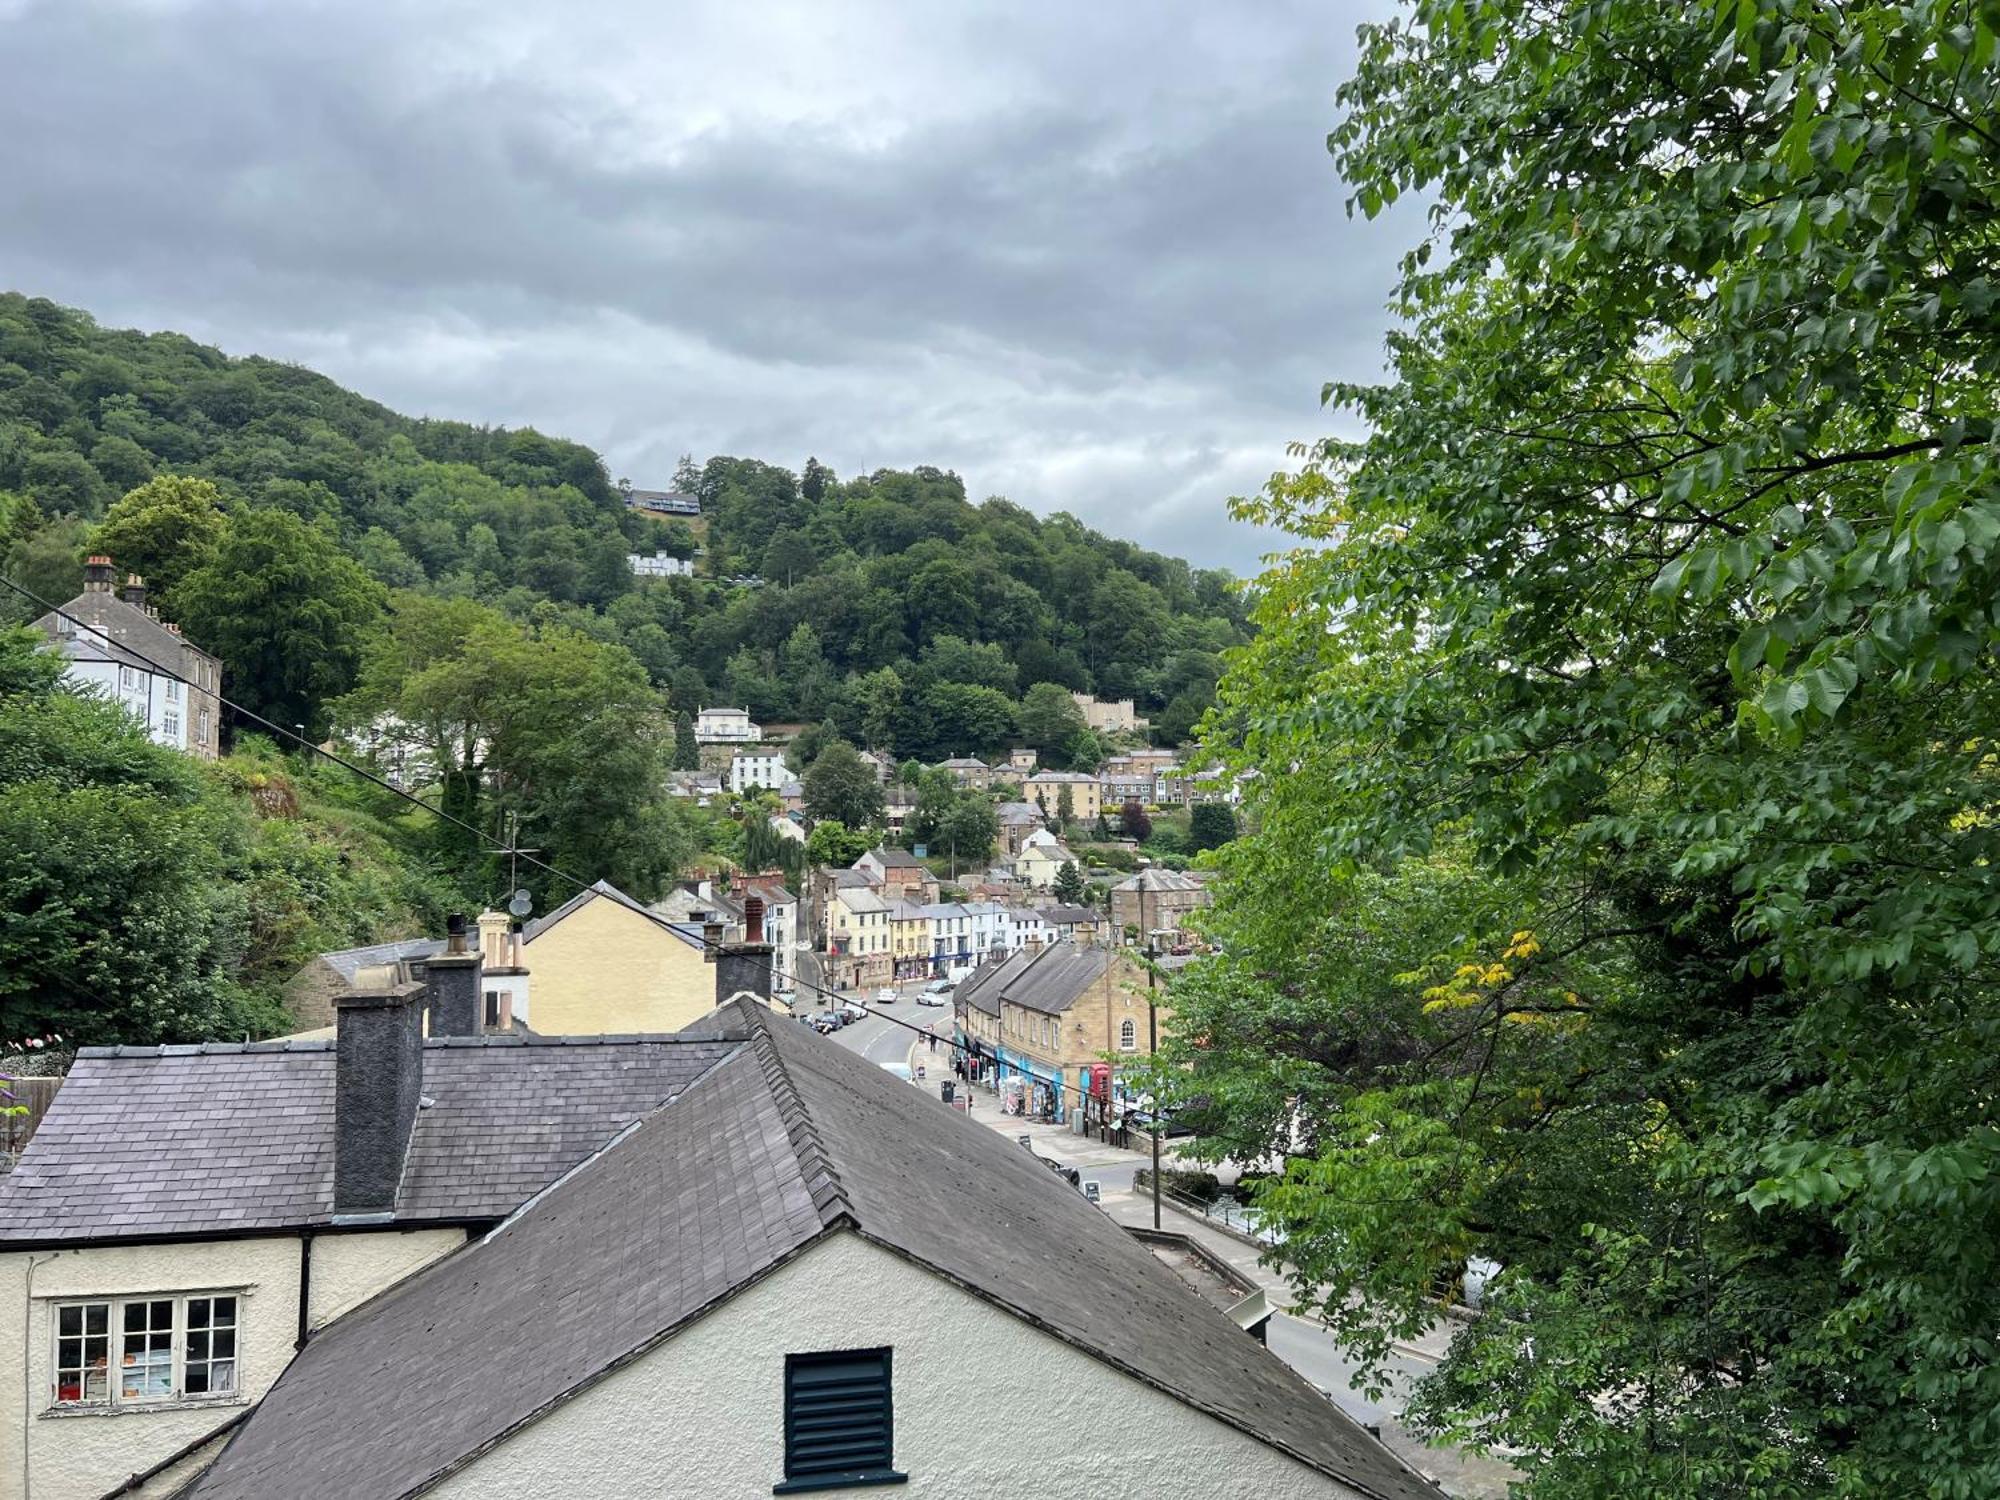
134 591
753 918
98 574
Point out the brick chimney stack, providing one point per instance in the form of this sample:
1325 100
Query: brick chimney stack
134 592
98 574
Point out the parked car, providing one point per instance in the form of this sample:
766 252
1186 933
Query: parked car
885 997
824 1022
853 1010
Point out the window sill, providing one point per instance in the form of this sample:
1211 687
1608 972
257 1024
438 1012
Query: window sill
142 1408
839 1481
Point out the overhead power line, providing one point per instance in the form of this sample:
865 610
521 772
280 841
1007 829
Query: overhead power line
525 856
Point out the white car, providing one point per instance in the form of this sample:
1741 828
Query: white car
935 996
885 997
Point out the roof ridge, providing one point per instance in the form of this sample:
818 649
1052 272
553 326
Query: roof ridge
822 1179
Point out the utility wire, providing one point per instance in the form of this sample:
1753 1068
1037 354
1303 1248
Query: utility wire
680 930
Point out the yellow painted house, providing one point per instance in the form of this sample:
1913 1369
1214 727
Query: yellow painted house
602 965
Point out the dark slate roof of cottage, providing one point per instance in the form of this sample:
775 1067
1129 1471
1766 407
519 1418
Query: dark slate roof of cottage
897 859
791 1138
221 1139
1069 916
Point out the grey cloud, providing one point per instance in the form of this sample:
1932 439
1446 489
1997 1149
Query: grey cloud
1098 270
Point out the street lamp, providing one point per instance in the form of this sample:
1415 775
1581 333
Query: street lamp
1153 1060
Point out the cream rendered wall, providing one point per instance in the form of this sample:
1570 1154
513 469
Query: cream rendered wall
605 968
984 1405
81 1456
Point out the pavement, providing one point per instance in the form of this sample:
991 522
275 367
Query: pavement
1293 1334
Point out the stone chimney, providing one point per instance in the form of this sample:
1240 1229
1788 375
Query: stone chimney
378 1081
745 965
134 592
98 574
454 975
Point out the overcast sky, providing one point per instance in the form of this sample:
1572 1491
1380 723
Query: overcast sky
1093 257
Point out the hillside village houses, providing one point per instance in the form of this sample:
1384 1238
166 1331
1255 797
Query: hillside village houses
728 1260
1156 902
697 903
726 726
113 640
1045 1018
1041 860
659 565
1046 790
758 768
1018 820
970 774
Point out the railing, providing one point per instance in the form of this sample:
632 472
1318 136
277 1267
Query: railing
1226 1213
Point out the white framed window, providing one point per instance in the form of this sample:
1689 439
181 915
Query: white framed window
117 1352
1128 1036
202 733
128 679
170 724
173 690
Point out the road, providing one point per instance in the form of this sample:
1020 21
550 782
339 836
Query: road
1302 1343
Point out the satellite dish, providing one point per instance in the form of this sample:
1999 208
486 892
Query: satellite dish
522 904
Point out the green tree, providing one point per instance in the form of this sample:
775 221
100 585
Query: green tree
1049 720
842 786
287 611
832 842
1069 886
878 696
1630 705
1210 826
969 830
1065 807
687 752
163 530
117 920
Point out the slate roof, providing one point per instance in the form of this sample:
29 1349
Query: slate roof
350 961
897 859
691 935
1018 812
219 1139
1157 878
1069 916
791 1138
1049 979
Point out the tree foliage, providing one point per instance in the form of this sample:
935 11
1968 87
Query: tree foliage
287 611
1621 902
163 530
893 572
1069 885
146 898
842 786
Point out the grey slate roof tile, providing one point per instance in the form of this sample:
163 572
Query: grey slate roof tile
792 1136
168 1141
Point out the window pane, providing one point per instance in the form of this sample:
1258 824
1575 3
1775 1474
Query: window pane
135 1317
69 1322
197 1312
96 1317
222 1377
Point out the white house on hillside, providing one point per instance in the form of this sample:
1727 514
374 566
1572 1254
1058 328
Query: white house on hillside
726 726
765 768
117 643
